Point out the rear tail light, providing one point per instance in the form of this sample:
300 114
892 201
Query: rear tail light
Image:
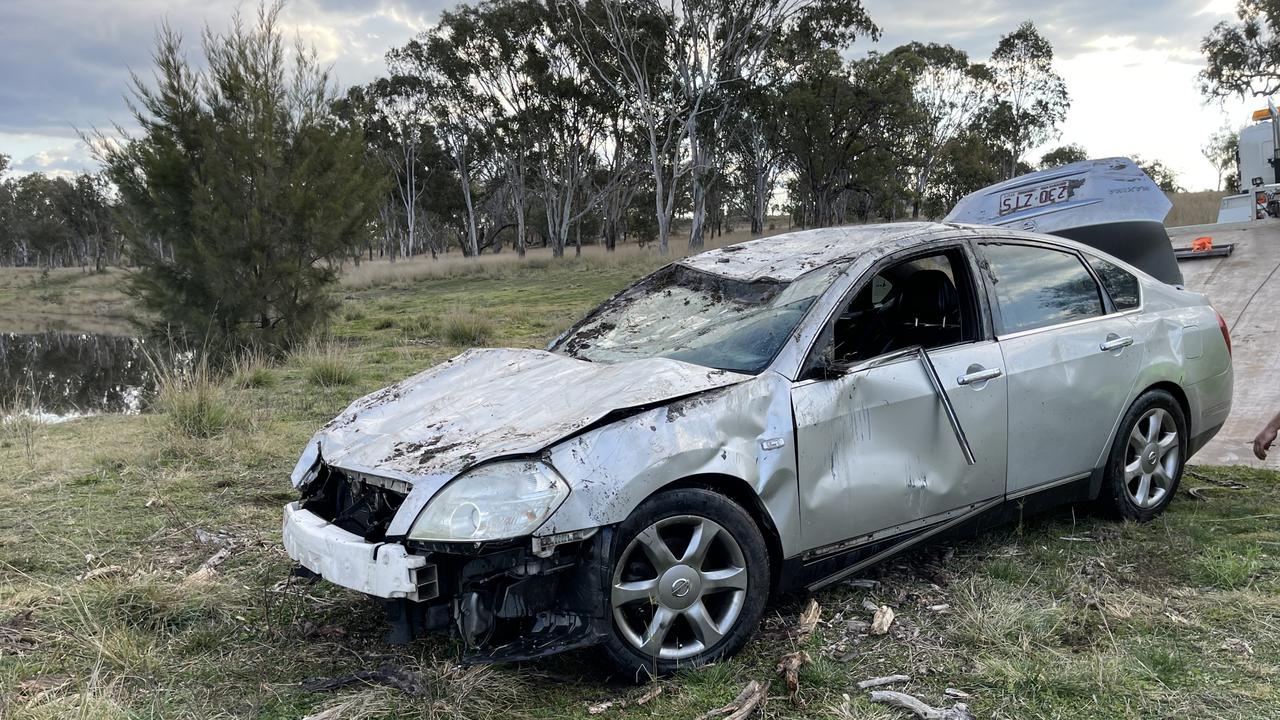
1226 333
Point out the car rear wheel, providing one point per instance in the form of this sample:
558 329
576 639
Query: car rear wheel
1147 457
689 581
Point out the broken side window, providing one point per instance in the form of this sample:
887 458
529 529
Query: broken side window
925 301
698 317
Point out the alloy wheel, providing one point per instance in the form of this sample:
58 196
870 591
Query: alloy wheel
1151 458
678 587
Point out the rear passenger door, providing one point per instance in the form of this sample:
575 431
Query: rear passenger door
1068 355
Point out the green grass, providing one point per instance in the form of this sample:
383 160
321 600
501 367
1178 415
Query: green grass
327 365
194 402
466 330
1177 617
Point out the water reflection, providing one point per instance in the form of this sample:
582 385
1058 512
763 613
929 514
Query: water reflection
58 375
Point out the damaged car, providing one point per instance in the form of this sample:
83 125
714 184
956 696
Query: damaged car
763 418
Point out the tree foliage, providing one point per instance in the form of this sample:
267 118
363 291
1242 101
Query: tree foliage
518 123
1161 174
1243 57
1222 152
949 95
243 191
1033 98
1063 155
53 221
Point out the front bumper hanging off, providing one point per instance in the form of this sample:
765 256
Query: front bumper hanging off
384 570
504 601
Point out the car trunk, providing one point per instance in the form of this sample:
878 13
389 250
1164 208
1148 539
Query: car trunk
1108 204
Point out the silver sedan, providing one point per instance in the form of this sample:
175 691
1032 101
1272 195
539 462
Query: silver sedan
765 417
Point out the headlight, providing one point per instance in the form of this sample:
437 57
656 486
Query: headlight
492 502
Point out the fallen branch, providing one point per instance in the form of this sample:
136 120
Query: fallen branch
208 569
789 668
886 680
883 619
751 697
215 559
808 620
655 692
100 572
397 677
921 710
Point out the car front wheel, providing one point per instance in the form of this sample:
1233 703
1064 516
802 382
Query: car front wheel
1147 457
689 581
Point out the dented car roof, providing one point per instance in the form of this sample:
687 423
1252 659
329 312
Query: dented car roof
787 256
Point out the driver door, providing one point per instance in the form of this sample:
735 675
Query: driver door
876 450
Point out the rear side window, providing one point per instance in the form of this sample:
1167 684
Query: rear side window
1120 284
1037 287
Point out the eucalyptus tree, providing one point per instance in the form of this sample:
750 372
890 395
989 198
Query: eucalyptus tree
1032 98
628 46
949 93
478 67
397 139
1243 57
842 130
87 209
1063 155
672 64
754 140
581 151
1222 151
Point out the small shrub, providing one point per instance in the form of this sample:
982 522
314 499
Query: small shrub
419 326
20 420
193 401
252 369
326 365
1165 665
466 330
1222 568
385 323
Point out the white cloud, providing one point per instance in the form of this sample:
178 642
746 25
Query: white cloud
1126 100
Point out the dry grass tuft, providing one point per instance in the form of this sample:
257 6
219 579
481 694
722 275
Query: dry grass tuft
193 400
326 364
21 422
251 368
466 329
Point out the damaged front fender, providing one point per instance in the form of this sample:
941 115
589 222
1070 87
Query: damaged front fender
743 431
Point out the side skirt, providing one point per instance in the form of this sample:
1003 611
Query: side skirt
798 573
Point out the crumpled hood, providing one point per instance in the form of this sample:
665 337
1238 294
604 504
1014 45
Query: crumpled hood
484 404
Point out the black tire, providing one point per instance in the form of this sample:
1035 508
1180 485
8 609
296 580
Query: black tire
673 510
1121 493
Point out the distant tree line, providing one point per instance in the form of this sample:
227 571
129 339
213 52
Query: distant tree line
49 221
519 123
528 122
555 123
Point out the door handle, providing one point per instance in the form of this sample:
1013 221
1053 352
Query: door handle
979 376
1115 342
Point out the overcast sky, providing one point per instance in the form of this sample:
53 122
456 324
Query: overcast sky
1130 65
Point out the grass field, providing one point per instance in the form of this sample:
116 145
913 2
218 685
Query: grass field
105 523
1193 208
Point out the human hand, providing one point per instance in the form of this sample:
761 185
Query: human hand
1263 441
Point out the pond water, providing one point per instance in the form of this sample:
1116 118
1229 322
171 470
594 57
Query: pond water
58 375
